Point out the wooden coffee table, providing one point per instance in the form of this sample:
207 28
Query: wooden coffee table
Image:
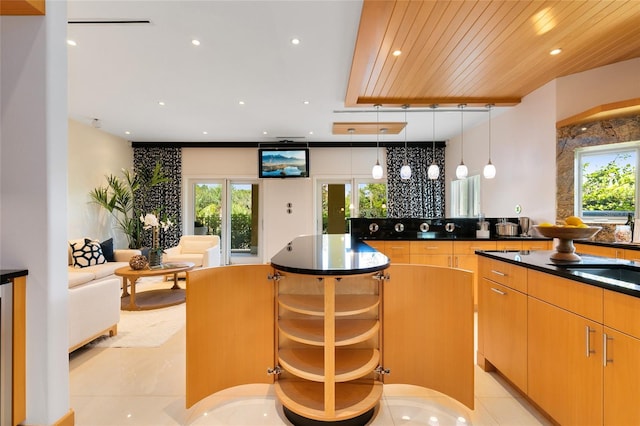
151 299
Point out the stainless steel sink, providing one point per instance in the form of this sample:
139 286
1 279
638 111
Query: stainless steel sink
623 273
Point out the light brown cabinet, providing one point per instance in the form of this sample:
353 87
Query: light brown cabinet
504 324
326 336
599 250
582 343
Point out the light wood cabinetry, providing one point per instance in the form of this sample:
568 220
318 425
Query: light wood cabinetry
599 250
621 369
504 322
632 255
537 244
433 252
582 343
330 339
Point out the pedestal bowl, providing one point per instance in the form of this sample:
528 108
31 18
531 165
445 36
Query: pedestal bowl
565 250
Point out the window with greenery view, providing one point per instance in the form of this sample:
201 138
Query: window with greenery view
606 179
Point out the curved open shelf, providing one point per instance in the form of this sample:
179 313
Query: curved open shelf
311 331
308 363
346 304
306 398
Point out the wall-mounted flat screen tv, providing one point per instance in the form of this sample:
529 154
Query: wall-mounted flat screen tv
283 163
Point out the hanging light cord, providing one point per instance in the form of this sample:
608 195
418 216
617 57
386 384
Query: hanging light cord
377 133
433 139
462 133
405 132
489 106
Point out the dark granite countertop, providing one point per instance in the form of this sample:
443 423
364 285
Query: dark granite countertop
629 246
6 275
334 254
540 261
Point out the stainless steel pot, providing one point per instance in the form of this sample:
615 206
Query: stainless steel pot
507 229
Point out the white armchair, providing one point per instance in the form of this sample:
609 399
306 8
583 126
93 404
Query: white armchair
202 250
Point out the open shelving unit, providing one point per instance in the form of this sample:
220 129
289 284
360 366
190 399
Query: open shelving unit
328 333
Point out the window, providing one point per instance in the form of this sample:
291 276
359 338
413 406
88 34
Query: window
606 178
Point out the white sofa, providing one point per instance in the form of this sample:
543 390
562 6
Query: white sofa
202 250
94 299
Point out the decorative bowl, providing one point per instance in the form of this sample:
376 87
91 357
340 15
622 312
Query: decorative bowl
565 250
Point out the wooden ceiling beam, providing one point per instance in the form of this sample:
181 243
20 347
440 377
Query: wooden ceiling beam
440 101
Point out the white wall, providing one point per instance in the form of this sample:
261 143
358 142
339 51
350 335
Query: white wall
93 154
579 92
33 193
279 227
523 151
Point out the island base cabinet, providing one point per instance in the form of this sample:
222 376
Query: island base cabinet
621 379
504 327
428 329
565 364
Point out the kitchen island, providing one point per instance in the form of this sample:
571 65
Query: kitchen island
566 334
331 321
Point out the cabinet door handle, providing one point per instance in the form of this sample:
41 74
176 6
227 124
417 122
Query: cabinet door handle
502 274
605 338
456 261
588 332
500 292
449 261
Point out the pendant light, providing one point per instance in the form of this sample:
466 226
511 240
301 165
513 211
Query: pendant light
405 170
461 170
489 170
433 171
376 171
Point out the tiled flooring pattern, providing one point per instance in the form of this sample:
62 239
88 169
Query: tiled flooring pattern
146 386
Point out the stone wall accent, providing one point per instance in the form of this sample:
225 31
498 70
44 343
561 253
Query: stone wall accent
615 130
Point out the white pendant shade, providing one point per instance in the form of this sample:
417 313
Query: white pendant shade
461 171
489 171
405 172
376 171
433 171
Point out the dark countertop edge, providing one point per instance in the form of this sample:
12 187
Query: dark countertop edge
559 272
365 239
630 246
330 272
6 275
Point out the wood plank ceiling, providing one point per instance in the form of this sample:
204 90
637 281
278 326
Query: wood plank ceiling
480 52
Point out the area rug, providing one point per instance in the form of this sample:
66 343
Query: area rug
145 329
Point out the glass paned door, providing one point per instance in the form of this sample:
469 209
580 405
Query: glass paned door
336 207
244 222
231 210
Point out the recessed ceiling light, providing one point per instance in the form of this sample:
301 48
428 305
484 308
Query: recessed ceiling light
305 102
205 133
555 51
295 41
265 132
195 42
161 103
127 132
72 43
397 52
311 132
241 102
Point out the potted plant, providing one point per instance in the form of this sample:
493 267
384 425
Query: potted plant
119 196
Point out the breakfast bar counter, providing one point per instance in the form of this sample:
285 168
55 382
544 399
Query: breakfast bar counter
314 320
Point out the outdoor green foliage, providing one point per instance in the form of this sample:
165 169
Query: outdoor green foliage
208 201
118 198
610 188
372 201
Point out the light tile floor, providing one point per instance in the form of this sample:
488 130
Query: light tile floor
146 386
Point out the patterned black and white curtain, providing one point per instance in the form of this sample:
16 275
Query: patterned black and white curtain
418 196
166 197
